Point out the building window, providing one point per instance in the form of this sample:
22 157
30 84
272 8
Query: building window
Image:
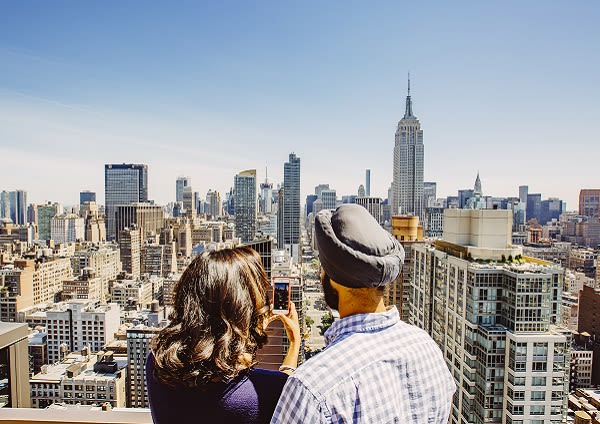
538 381
538 366
537 409
538 395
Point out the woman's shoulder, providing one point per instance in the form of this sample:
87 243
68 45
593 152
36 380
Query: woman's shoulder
266 379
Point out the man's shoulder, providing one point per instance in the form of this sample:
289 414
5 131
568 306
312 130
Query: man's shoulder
400 342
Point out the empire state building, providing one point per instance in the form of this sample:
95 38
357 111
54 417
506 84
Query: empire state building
407 185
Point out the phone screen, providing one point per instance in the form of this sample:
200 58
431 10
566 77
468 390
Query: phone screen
281 295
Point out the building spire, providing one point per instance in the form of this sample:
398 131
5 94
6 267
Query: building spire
477 189
408 113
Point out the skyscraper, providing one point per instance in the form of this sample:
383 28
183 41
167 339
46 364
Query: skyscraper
266 196
368 183
18 207
180 184
245 204
124 184
407 185
291 205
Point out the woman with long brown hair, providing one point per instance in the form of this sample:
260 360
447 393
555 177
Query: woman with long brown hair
202 365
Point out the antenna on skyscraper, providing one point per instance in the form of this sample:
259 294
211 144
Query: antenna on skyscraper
408 83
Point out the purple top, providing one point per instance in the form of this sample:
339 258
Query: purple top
248 398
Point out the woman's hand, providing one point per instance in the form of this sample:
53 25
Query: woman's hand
292 329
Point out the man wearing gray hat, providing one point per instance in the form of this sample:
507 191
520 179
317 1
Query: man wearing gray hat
374 368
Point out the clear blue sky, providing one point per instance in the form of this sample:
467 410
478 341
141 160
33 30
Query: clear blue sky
511 89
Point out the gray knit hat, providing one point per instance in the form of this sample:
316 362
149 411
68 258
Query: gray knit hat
354 250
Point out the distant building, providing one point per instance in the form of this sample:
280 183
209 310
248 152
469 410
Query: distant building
103 260
146 217
266 197
581 371
589 203
434 222
534 207
158 260
407 185
429 193
38 351
45 213
16 289
87 196
310 199
589 322
188 202
215 204
367 183
67 228
329 199
95 224
124 184
245 205
132 293
18 206
180 184
291 206
129 247
84 286
361 191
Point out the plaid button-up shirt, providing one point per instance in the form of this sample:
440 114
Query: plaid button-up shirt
375 369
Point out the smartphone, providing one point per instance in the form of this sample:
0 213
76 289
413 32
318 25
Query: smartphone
281 295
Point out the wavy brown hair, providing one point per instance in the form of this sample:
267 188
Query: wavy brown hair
219 316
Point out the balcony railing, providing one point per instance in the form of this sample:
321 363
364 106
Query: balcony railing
74 416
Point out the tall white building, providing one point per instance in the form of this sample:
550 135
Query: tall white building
407 184
67 228
78 324
494 315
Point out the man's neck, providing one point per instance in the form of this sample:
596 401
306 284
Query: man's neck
352 306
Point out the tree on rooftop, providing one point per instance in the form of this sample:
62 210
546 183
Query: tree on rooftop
326 321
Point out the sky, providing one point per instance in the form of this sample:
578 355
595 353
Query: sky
206 89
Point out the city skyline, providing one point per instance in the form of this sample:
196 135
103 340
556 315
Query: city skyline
207 90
